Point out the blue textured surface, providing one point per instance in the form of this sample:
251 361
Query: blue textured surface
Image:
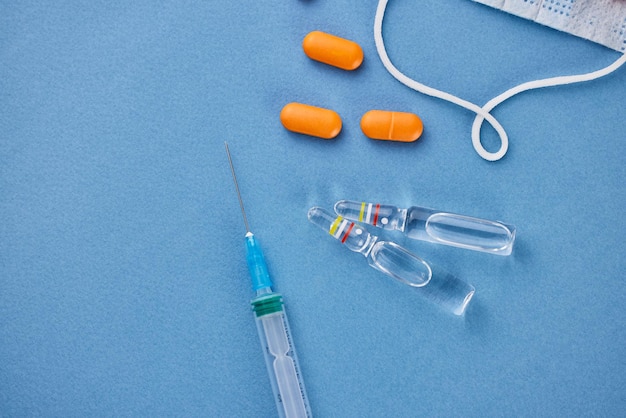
123 282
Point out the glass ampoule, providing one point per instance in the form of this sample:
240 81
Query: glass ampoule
434 226
433 283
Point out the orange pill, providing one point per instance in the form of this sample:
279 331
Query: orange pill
392 126
332 50
311 120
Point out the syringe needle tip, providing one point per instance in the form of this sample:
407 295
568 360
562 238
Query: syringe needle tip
232 170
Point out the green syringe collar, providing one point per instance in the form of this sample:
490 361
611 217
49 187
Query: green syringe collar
268 304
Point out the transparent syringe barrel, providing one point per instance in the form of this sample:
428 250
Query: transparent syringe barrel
434 226
280 357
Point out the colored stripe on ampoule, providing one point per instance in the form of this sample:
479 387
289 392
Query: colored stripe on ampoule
345 237
362 211
338 227
376 214
334 225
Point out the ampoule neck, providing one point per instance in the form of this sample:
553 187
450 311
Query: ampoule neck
367 248
359 240
401 216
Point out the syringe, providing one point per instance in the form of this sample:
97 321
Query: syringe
433 225
273 328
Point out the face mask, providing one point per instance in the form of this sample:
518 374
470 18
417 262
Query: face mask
602 21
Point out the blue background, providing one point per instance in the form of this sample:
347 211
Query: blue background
123 285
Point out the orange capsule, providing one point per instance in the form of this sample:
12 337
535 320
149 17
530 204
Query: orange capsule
310 120
392 126
332 50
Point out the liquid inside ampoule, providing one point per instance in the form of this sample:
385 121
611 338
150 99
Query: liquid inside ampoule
459 231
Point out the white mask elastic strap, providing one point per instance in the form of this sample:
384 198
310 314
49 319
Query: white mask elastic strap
482 113
546 82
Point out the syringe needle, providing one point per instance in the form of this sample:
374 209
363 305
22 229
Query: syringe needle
261 281
232 170
273 328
